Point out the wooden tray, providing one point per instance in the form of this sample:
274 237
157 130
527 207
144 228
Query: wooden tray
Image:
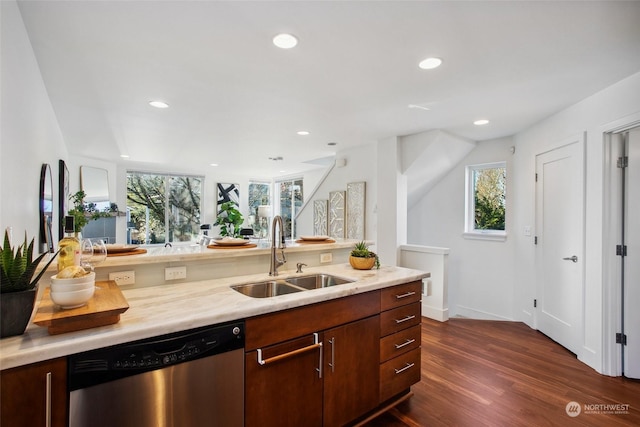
315 242
247 246
102 309
133 252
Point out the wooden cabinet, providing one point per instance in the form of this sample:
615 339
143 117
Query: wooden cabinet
328 377
399 338
34 395
351 375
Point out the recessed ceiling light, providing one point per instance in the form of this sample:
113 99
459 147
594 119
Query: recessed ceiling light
332 143
285 41
430 63
214 164
282 171
124 156
481 122
159 104
303 132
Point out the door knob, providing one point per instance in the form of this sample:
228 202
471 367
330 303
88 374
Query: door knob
573 258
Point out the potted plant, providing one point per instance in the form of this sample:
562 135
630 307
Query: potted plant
17 289
229 219
362 258
84 212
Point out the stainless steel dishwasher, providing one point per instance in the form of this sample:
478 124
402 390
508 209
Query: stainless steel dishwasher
191 378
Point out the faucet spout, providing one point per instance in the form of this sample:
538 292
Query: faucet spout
275 260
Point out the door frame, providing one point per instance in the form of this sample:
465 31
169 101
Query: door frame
611 214
575 139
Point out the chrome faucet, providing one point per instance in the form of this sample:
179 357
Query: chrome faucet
275 261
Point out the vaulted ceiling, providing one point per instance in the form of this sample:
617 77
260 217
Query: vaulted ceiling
236 100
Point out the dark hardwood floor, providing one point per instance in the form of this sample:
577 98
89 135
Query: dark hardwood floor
486 373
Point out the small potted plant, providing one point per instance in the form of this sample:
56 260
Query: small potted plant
17 289
362 258
229 219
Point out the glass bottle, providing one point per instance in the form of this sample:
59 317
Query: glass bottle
69 246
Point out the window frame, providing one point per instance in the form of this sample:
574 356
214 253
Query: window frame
167 204
470 232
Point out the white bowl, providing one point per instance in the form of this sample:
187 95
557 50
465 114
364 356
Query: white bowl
73 299
88 278
64 287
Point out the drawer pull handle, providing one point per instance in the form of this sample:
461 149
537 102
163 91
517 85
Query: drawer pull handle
408 294
405 319
409 366
404 344
313 346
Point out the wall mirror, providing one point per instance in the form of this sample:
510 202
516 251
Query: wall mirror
46 207
95 184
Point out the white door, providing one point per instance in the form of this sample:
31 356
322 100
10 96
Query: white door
559 250
632 260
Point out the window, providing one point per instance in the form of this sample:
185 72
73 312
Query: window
485 201
163 208
259 207
290 198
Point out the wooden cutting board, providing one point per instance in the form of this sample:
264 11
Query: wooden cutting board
104 308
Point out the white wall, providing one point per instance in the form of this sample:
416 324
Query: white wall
29 132
360 166
481 272
590 116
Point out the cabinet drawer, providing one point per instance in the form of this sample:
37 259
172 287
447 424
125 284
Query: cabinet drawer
399 343
400 295
399 318
399 374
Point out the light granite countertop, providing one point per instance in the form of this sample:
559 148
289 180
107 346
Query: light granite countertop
164 309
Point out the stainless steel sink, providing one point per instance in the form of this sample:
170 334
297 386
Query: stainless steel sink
273 288
316 281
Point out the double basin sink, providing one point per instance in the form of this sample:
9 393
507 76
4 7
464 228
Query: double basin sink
290 285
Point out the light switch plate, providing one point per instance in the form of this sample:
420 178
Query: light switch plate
175 273
326 257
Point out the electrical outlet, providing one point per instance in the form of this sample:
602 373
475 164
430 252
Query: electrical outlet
123 277
327 257
175 273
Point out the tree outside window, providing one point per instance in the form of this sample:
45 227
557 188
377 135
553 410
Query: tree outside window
163 208
486 198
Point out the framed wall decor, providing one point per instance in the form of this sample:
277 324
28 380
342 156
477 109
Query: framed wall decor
227 193
336 214
355 210
320 219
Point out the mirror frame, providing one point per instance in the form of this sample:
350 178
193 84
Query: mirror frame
46 216
63 195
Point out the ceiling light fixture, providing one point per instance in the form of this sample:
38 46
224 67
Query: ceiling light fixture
213 164
303 132
124 156
481 122
419 107
430 63
159 104
285 41
332 143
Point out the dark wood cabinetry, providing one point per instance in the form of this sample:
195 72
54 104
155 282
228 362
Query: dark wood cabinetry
399 338
331 363
329 376
34 395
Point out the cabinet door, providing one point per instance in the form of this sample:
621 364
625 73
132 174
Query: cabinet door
351 370
35 395
287 389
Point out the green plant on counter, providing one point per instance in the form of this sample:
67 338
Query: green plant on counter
361 250
17 266
84 212
229 219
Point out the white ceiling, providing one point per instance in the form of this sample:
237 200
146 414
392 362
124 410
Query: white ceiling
236 100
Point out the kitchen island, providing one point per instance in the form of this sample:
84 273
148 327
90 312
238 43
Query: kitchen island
170 308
